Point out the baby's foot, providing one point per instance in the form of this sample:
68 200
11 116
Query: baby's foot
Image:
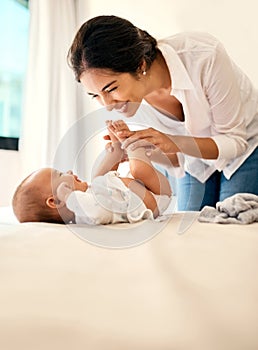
111 134
114 146
119 127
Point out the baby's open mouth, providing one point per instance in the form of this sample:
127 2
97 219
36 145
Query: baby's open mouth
77 179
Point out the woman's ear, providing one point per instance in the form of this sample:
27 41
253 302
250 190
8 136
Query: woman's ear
53 202
143 67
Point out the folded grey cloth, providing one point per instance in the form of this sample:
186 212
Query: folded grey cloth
241 208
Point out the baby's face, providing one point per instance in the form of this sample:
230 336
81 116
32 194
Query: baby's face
57 177
49 179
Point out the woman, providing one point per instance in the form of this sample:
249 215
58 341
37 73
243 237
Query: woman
189 77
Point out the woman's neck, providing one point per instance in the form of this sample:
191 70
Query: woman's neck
159 77
158 93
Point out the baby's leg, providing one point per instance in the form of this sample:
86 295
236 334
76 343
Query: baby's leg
111 132
115 142
141 167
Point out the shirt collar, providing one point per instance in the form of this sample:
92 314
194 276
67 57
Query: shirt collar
178 73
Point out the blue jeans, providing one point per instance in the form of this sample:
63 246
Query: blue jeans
192 195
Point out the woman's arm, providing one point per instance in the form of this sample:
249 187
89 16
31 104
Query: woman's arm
170 144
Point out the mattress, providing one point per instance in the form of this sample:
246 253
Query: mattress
190 286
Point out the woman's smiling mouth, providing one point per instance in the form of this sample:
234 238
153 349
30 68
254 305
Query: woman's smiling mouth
123 108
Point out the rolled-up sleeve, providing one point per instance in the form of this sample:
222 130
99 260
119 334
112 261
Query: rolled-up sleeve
229 146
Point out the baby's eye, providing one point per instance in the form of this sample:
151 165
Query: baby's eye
94 96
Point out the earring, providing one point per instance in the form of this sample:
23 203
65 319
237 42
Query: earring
144 72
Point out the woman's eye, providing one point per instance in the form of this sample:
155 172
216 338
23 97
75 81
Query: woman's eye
111 90
91 95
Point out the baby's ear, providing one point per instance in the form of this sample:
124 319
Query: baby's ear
53 202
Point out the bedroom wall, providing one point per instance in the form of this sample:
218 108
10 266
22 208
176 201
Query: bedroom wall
9 175
233 22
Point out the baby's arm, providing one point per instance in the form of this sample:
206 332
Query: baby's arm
113 155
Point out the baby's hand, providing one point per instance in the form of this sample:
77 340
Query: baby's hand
63 191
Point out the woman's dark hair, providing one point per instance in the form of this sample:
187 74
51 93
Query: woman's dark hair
110 42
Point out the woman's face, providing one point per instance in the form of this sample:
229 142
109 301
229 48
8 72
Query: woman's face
122 92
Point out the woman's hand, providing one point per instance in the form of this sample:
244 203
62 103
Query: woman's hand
199 147
148 138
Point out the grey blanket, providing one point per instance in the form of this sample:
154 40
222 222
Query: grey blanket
241 208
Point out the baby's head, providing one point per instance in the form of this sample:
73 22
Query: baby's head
35 199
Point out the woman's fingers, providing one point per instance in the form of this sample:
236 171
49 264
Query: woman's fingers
147 137
138 143
125 133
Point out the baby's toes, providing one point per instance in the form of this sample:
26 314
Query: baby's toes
120 125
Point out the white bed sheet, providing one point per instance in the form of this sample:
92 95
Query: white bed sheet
192 291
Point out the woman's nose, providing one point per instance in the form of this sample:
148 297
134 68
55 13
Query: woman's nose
108 102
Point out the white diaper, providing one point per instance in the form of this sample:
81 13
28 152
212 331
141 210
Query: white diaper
163 202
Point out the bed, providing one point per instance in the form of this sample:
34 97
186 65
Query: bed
191 286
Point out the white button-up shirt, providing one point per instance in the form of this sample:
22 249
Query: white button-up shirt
218 99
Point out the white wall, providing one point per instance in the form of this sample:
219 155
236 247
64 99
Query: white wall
9 175
233 22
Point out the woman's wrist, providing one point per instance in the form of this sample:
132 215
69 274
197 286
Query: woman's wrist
173 159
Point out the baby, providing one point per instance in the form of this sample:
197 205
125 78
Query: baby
49 195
